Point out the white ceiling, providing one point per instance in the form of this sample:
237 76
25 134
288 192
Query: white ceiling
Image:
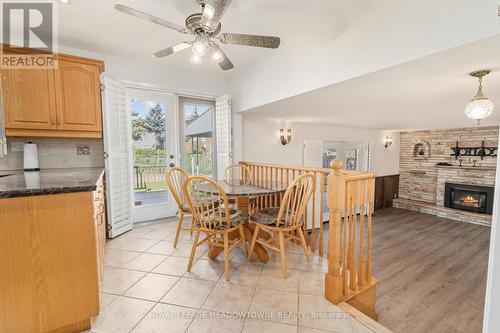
95 26
427 93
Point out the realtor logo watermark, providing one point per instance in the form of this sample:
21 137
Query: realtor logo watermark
29 34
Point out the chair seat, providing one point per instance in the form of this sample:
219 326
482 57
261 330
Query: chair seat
268 216
236 217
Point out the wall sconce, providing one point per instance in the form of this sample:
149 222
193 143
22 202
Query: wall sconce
388 141
285 140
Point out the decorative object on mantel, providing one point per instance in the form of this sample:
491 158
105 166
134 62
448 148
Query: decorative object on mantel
422 150
474 151
417 172
388 141
479 106
443 164
460 162
285 140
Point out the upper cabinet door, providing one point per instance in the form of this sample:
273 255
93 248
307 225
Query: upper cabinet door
78 96
29 99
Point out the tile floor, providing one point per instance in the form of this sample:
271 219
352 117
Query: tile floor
146 289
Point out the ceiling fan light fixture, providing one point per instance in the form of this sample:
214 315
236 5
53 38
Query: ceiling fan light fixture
216 56
196 59
479 106
208 11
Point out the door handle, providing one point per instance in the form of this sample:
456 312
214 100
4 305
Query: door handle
171 165
171 157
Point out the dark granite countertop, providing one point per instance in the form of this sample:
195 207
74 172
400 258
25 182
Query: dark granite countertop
53 181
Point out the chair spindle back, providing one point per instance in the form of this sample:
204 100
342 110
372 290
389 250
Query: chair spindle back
295 200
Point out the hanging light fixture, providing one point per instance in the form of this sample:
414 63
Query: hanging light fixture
480 106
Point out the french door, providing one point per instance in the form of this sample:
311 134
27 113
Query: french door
154 128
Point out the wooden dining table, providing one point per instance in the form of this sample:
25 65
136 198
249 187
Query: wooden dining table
241 193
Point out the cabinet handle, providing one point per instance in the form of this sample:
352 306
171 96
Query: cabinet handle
58 122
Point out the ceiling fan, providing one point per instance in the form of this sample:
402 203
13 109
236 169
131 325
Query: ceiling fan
206 27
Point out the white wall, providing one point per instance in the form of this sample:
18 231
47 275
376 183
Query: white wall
158 75
386 33
261 142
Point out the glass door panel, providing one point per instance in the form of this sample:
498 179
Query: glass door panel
198 136
153 151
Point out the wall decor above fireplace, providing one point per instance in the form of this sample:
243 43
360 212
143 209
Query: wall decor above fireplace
474 151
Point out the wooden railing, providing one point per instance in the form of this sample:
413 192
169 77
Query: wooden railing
350 200
269 175
349 197
149 177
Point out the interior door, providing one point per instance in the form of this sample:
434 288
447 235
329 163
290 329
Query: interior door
155 149
117 148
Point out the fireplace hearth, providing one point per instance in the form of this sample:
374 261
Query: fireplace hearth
472 198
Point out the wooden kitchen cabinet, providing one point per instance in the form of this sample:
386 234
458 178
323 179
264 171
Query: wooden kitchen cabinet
78 96
100 225
29 99
61 102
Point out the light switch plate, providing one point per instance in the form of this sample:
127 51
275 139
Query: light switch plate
17 146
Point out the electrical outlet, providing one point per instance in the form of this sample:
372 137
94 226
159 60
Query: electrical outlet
82 150
17 146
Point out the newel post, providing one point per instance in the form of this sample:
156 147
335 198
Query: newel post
335 201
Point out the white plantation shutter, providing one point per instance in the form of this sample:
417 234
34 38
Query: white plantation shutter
223 133
116 145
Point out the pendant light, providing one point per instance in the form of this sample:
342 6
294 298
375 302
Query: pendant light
480 106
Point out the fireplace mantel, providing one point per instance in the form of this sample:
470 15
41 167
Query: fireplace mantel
467 167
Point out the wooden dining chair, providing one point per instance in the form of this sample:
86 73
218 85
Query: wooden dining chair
237 174
286 219
175 181
214 217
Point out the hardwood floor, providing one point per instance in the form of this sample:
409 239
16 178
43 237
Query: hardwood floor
432 272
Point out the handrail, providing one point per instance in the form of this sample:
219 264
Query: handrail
349 197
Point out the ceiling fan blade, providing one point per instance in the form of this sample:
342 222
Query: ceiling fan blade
213 12
224 63
148 17
172 49
250 40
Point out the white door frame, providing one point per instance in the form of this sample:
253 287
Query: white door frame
161 210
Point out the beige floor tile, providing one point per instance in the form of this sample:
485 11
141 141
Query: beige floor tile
243 274
121 315
276 304
184 250
152 287
357 327
229 298
311 330
162 247
311 283
157 234
117 280
144 262
205 270
260 326
213 322
107 299
184 236
132 244
117 258
272 278
189 292
172 266
166 318
321 314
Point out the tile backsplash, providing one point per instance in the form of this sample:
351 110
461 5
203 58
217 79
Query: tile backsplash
54 153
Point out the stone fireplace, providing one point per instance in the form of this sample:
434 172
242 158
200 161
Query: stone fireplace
426 180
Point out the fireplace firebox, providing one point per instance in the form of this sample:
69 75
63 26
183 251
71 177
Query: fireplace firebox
472 198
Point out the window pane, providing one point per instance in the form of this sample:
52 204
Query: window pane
198 140
149 149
